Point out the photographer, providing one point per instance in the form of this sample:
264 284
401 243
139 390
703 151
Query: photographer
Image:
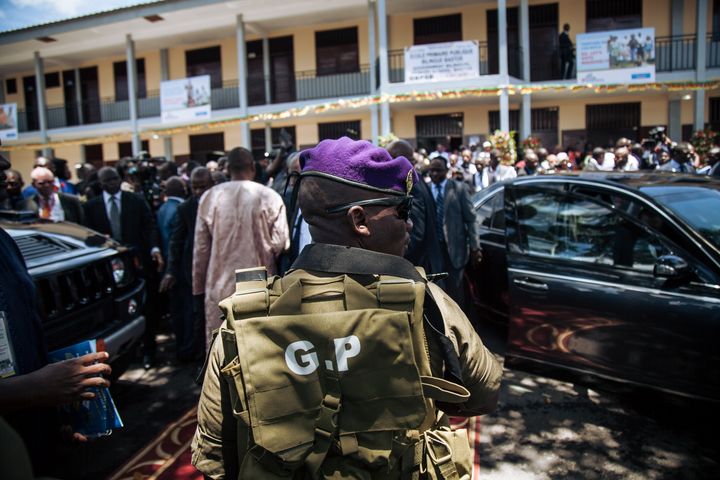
658 142
276 172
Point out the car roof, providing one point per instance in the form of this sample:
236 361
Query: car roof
629 180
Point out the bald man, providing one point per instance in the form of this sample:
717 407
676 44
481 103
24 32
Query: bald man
50 204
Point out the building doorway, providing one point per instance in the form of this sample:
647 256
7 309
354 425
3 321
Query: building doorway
207 146
90 93
446 129
606 123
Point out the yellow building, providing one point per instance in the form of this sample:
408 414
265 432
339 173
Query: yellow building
89 88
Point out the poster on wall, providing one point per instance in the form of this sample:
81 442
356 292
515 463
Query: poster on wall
186 99
616 56
439 62
8 121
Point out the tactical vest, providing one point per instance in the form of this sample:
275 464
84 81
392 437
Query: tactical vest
331 379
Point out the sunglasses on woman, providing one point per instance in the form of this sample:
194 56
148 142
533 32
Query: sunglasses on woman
401 204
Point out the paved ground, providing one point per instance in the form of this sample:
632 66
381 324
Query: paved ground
547 429
543 428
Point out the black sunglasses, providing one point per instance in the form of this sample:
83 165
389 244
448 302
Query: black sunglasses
402 204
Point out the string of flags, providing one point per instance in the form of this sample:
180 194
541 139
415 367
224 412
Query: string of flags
368 100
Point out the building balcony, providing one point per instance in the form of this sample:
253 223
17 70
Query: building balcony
299 86
672 54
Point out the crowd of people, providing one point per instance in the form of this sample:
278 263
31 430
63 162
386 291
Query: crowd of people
481 166
192 226
189 248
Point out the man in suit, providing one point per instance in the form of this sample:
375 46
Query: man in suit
188 318
127 218
455 224
424 243
52 205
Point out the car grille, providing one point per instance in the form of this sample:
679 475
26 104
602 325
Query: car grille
75 303
38 246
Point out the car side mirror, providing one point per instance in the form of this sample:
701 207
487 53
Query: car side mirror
671 266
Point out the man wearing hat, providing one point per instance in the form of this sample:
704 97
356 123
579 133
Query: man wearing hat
356 199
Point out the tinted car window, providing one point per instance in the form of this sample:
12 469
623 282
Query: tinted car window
483 213
491 213
582 230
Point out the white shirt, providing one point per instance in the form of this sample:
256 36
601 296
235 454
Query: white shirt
631 165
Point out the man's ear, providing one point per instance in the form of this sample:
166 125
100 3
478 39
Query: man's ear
358 221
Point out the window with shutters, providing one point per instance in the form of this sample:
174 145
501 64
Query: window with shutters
715 113
205 61
605 15
125 148
336 51
121 79
447 28
257 139
94 153
494 120
447 125
11 86
335 130
52 80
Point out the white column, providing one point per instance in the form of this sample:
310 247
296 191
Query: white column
384 67
42 111
526 110
268 137
503 66
78 95
266 69
242 80
700 71
165 75
132 93
372 53
674 120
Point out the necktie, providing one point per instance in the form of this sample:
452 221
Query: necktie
115 218
440 214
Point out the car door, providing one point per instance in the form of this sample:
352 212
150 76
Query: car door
584 298
488 281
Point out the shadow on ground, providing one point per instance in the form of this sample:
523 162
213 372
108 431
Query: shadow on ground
546 428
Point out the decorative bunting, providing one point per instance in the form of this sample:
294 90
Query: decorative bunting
361 102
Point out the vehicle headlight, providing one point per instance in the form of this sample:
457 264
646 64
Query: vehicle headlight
118 270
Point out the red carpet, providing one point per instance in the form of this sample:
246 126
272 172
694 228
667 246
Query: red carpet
168 456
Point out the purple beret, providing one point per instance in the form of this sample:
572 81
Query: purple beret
360 163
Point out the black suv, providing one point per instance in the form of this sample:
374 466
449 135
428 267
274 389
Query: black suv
88 286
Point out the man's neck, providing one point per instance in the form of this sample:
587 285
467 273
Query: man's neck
239 176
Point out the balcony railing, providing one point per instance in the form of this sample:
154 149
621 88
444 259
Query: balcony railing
712 58
676 53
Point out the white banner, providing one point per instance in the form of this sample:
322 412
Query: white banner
439 62
185 99
616 56
8 121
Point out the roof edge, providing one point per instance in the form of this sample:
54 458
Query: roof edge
99 19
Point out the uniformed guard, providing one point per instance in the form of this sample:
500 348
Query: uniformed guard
347 366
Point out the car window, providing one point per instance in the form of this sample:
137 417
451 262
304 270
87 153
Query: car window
491 213
483 213
582 230
498 214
